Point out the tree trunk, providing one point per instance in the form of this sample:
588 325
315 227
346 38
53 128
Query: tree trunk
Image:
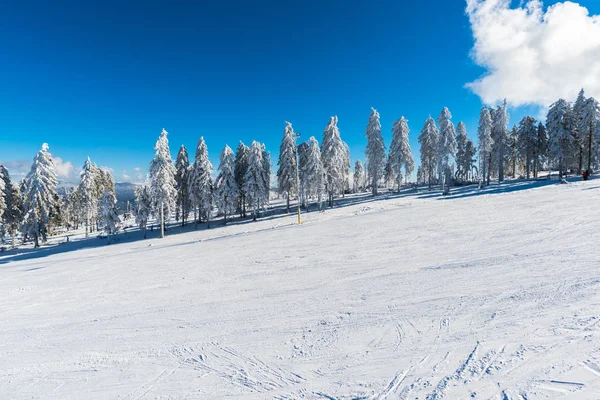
162 221
13 238
288 203
589 166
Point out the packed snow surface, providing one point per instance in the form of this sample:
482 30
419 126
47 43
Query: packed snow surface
482 294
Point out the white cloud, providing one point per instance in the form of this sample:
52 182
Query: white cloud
532 56
17 168
66 171
137 169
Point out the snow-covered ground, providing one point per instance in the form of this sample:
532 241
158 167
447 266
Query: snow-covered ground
484 294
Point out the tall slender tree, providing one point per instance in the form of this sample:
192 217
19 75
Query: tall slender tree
590 122
359 176
182 168
255 186
486 142
312 173
288 163
162 182
559 133
333 156
400 152
375 153
87 194
226 190
143 206
241 166
446 145
579 130
40 195
13 209
541 150
429 148
527 142
109 218
500 120
201 188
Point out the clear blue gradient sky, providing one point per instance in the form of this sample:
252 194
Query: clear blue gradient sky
101 79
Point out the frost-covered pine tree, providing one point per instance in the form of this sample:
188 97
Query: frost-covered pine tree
500 120
400 152
359 177
513 149
527 142
312 173
486 142
182 167
201 183
226 189
40 196
241 166
429 148
579 131
288 164
255 186
3 192
590 130
266 160
143 202
334 158
446 145
461 146
87 194
375 153
558 124
162 182
13 209
541 151
109 218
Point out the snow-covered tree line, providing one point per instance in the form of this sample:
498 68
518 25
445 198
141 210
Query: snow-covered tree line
308 172
34 208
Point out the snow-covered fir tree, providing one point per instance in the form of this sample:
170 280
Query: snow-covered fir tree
590 130
465 153
542 148
255 186
3 190
512 150
527 142
388 174
446 145
312 174
109 218
241 166
162 181
359 177
266 160
13 210
558 124
579 132
87 194
143 201
486 143
226 189
429 148
40 196
201 187
334 158
288 163
182 168
500 120
375 153
400 151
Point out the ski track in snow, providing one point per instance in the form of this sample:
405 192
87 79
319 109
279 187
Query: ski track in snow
493 296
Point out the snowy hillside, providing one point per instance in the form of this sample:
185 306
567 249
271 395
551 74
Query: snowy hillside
484 294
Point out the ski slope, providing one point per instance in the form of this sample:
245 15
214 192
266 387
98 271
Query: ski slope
484 294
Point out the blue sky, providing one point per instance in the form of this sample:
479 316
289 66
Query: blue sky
101 79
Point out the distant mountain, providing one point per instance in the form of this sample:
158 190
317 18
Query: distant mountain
125 192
